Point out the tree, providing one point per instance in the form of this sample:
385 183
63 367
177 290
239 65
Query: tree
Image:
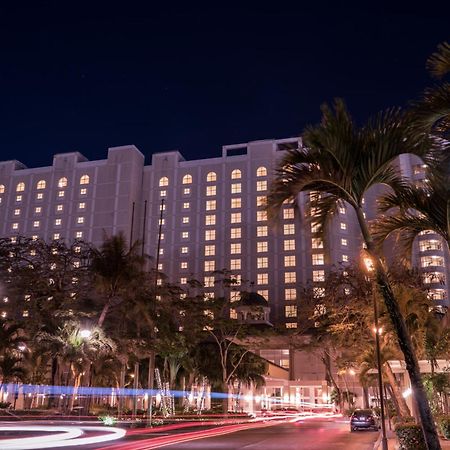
339 163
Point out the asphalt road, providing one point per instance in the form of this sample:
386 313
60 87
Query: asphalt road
311 434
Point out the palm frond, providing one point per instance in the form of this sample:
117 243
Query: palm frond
439 62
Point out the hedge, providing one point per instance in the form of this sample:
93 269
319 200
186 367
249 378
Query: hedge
410 437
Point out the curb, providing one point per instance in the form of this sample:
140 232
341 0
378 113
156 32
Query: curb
377 442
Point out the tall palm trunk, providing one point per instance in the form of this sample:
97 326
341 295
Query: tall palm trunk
402 406
403 337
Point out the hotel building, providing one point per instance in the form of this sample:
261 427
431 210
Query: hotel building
211 213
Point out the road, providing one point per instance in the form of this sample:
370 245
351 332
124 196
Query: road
310 434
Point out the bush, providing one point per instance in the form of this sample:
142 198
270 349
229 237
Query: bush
444 426
410 437
5 405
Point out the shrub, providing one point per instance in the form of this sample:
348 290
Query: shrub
410 437
5 405
400 420
444 426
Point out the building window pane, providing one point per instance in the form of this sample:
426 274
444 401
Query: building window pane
187 179
261 172
236 174
235 233
211 176
261 231
289 244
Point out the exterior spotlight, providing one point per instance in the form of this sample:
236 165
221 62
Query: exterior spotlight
85 334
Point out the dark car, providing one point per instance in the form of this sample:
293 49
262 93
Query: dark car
364 418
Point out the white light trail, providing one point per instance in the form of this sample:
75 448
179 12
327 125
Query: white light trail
65 436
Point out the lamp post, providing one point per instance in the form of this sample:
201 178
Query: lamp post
384 443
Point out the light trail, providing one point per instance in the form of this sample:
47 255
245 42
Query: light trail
65 436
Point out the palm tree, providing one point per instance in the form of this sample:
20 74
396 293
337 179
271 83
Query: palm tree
117 270
339 163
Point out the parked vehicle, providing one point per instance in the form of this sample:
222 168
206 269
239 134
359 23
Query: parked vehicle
364 419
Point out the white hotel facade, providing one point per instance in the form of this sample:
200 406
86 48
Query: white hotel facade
213 218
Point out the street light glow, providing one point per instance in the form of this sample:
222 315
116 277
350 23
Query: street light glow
85 334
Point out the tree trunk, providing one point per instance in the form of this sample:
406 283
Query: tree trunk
403 407
403 337
394 400
366 397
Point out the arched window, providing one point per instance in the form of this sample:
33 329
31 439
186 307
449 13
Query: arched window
62 182
84 179
2 188
164 181
211 176
20 187
261 171
236 174
41 184
187 179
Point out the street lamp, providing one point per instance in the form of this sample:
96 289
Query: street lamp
85 334
384 443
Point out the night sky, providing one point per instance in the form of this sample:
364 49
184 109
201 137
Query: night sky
78 76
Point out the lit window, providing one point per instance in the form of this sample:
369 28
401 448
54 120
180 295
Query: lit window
163 181
210 235
183 280
41 184
18 198
183 265
261 172
344 258
62 182
262 247
262 278
233 313
211 190
56 236
162 236
34 237
185 219
262 263
236 188
264 293
84 179
210 250
60 193
185 235
2 188
83 191
210 219
13 239
211 176
429 244
79 234
290 311
161 221
235 174
261 185
290 277
235 233
433 260
210 266
25 313
261 231
289 261
319 292
163 193
236 279
59 208
290 294
235 218
82 205
291 325
57 221
261 200
343 226
289 228
39 196
209 281
289 244
288 213
316 243
210 205
161 251
15 226
186 191
342 210
235 264
236 203
186 205
187 179
184 250
17 212
36 224
315 228
235 249
318 259
344 242
160 267
20 187
261 216
80 220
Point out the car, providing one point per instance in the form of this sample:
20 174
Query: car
364 419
